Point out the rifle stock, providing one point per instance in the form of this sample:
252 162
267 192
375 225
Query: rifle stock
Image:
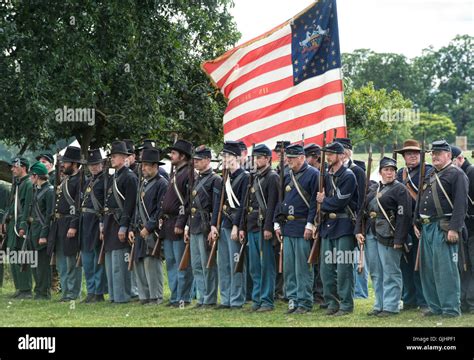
186 258
212 256
360 265
101 259
79 209
280 199
419 196
315 248
57 181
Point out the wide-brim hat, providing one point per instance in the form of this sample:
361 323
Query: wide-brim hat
119 147
73 155
151 156
182 146
409 145
94 156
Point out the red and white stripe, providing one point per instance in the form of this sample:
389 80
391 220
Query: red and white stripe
263 104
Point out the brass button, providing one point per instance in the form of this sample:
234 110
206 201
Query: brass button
290 217
332 216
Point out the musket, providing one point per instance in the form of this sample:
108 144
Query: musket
280 199
315 248
101 259
57 184
136 219
239 265
79 211
186 258
360 265
212 255
26 237
419 197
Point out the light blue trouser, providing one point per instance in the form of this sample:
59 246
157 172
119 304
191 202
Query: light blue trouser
232 285
134 286
96 279
361 286
262 270
467 277
439 271
149 273
298 274
412 291
180 282
386 275
337 272
118 276
204 278
70 276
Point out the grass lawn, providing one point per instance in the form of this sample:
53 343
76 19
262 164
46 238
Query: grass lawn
31 313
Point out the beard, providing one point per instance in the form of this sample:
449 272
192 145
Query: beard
68 171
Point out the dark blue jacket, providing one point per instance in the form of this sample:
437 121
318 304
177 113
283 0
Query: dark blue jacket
294 205
337 201
239 186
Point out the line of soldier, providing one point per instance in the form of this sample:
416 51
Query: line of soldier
139 215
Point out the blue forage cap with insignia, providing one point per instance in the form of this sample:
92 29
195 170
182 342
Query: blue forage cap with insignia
46 156
334 147
387 162
346 142
261 150
232 148
202 152
294 150
440 145
456 151
312 150
38 168
20 161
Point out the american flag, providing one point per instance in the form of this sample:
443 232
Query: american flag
286 83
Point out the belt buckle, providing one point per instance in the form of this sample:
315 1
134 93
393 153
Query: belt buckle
332 216
425 220
57 216
290 217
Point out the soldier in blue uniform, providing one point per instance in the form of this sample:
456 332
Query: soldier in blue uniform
410 176
204 203
467 277
91 223
118 209
263 198
387 219
442 211
361 284
148 268
63 239
232 285
175 211
313 157
295 227
338 204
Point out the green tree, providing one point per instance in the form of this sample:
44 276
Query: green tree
377 116
435 127
135 63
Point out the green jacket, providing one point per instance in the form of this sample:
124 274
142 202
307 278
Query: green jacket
24 195
42 210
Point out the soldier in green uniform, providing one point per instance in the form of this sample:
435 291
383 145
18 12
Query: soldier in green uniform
17 226
42 209
4 198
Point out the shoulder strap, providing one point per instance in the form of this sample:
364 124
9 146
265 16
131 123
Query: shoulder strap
377 197
65 191
119 198
443 190
301 192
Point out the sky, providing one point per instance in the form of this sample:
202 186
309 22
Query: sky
401 26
